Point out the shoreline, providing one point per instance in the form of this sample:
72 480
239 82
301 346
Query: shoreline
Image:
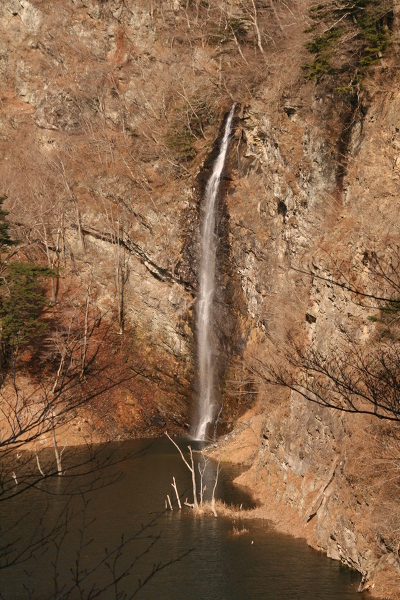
239 448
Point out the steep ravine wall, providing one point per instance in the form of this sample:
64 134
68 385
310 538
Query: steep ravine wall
318 473
98 135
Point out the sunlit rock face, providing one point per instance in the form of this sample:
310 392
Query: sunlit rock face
111 115
295 208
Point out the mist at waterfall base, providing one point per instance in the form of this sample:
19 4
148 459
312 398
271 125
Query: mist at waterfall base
208 248
259 564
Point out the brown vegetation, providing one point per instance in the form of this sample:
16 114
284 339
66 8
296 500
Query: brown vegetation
108 113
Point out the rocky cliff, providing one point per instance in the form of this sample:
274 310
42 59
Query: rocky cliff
110 117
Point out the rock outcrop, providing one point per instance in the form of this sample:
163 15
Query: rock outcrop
109 116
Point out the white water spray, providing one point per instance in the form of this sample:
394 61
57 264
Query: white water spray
206 407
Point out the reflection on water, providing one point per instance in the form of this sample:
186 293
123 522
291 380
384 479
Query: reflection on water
259 564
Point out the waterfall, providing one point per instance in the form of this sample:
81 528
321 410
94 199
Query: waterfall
205 349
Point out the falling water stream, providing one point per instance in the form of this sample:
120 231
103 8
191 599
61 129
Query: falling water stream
205 349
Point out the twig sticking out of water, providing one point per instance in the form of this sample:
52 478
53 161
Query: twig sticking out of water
176 493
190 467
169 502
236 531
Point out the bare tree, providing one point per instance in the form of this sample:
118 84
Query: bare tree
214 489
191 469
361 374
352 378
202 469
174 486
115 227
40 411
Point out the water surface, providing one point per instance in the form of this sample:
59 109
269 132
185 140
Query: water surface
259 564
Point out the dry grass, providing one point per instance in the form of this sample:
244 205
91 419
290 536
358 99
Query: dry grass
235 531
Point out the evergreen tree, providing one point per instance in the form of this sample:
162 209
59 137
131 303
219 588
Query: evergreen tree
21 303
22 298
5 240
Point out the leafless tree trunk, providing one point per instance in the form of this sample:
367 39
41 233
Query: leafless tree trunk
189 466
169 502
176 493
259 43
57 453
38 465
120 262
214 488
50 264
238 45
202 471
61 169
86 329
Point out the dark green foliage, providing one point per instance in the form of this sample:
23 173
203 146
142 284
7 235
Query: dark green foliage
319 67
391 308
22 298
201 115
180 141
21 303
234 27
388 319
5 239
351 37
189 126
324 42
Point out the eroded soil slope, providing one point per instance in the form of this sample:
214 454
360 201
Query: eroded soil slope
109 119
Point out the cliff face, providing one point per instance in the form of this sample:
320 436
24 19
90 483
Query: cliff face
299 206
110 113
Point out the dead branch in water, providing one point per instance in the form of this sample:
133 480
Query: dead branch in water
190 467
176 493
202 470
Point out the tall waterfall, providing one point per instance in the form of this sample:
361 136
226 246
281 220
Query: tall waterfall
205 349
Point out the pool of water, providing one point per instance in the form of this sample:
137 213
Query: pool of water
208 562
